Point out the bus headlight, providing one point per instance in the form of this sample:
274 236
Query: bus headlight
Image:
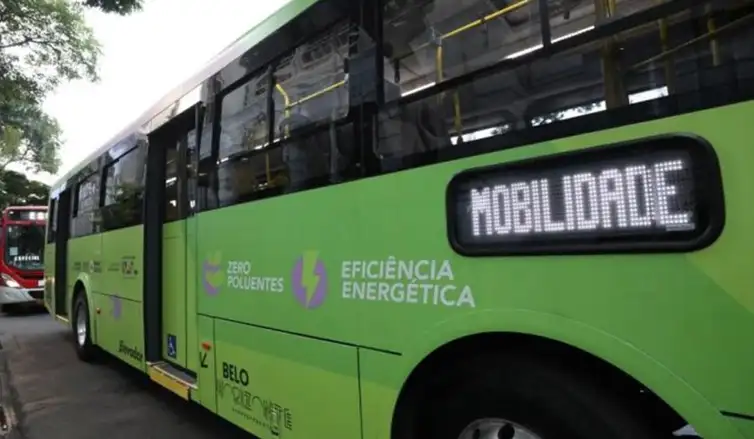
9 281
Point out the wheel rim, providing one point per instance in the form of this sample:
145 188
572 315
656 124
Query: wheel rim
81 324
496 428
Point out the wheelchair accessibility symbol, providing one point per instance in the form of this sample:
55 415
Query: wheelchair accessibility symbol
172 348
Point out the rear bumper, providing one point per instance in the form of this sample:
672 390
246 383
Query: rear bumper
20 295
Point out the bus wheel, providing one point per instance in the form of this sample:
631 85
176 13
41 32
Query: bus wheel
81 326
516 397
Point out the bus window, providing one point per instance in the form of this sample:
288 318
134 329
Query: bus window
124 183
86 206
191 165
52 220
311 90
310 83
172 211
431 41
657 73
206 177
243 118
244 164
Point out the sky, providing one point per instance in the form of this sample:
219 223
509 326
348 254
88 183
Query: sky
144 56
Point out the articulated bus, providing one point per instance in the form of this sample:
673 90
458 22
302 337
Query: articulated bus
22 243
438 218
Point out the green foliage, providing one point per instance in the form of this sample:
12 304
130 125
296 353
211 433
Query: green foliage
560 114
17 190
43 43
31 139
120 7
47 41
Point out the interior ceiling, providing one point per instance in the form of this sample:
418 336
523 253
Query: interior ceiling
409 24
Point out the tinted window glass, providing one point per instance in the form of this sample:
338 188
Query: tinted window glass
124 182
311 82
244 118
52 220
172 191
86 209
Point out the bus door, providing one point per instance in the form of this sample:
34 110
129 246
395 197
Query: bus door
168 304
62 219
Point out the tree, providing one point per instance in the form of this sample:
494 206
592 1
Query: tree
33 141
42 44
121 7
567 113
17 190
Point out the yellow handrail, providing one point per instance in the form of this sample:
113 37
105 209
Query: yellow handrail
714 46
457 116
486 18
288 105
708 35
319 93
473 24
287 101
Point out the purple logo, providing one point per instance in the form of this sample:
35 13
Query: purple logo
309 280
117 307
212 277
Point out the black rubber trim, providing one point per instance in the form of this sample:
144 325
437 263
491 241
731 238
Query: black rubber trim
736 415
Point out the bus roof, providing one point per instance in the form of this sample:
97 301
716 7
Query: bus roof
254 36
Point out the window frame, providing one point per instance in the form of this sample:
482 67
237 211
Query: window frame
52 220
213 158
106 208
76 212
635 113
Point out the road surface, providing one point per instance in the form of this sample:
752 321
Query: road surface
52 395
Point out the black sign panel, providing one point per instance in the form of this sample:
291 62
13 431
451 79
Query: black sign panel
27 215
655 194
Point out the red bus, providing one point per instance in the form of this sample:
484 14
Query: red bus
22 241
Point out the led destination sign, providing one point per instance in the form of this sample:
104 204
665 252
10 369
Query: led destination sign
639 196
27 215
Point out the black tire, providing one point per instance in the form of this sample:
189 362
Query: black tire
85 349
530 393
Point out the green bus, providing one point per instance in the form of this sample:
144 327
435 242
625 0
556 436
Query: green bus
439 218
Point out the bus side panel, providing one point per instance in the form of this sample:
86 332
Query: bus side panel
120 324
85 262
120 328
381 382
206 395
191 276
746 426
123 262
174 291
279 385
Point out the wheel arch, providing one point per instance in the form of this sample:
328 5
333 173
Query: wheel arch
82 286
583 346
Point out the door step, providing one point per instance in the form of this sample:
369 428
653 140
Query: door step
172 378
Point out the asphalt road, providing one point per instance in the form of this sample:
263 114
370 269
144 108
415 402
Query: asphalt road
49 394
